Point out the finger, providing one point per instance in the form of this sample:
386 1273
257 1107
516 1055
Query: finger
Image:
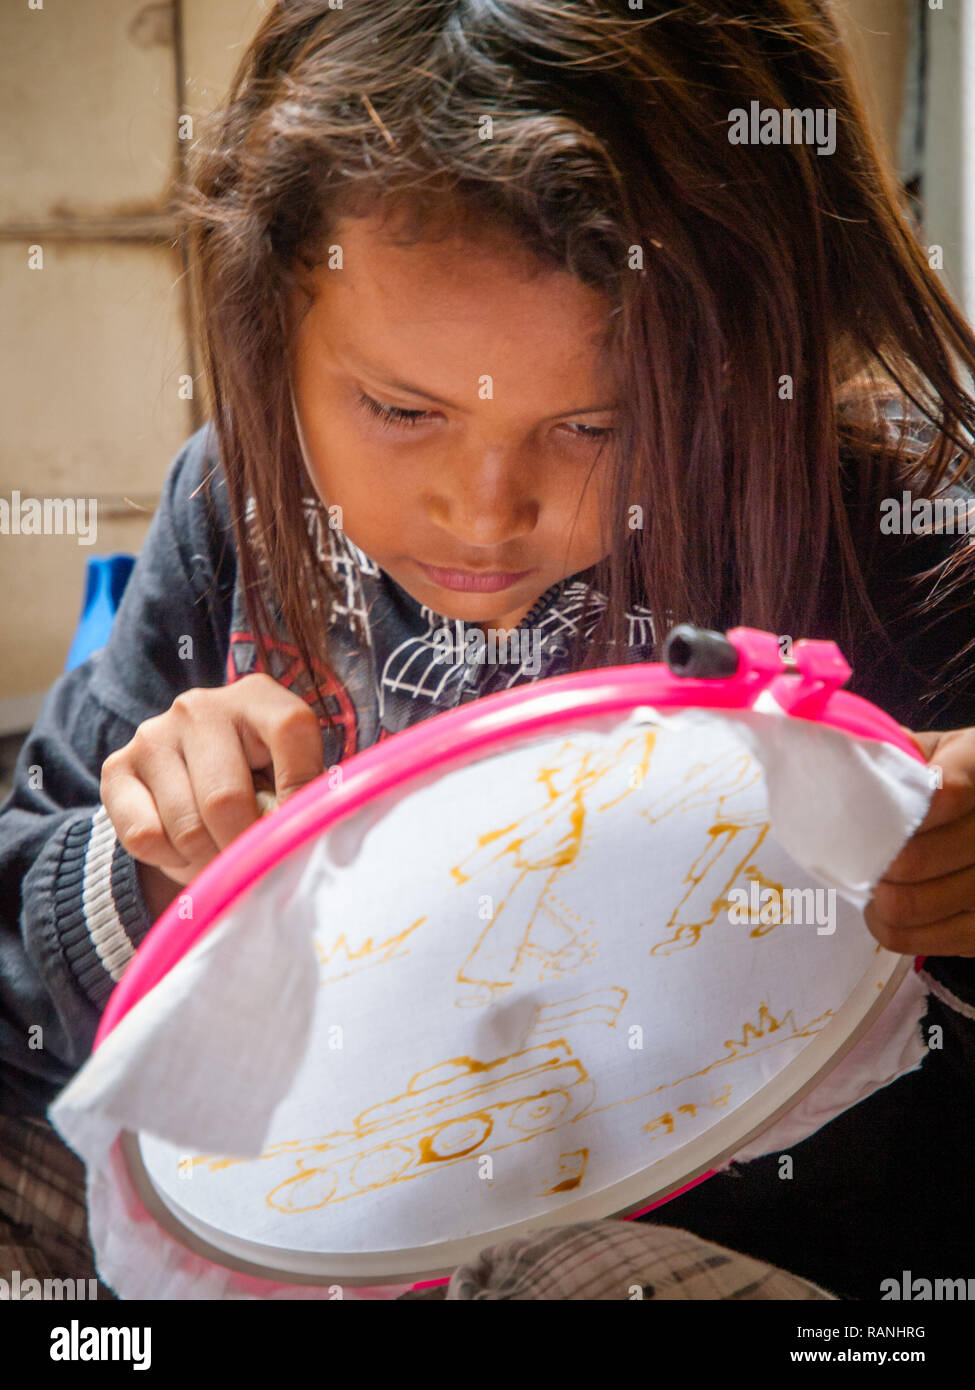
223 786
934 853
164 772
278 727
137 823
926 742
917 904
950 802
954 936
953 754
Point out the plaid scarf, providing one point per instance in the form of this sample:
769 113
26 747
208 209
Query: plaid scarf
395 661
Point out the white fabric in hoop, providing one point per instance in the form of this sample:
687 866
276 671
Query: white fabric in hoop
502 993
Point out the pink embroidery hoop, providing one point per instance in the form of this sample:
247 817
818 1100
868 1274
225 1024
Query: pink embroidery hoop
483 728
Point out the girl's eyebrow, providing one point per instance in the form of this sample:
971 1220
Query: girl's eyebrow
397 385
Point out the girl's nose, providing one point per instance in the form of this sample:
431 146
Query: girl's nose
485 499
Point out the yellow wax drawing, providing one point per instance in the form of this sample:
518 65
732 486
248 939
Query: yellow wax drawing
337 949
543 1089
533 928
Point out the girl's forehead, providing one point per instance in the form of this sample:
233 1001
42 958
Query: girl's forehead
461 256
487 287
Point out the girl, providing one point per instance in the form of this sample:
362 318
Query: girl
502 330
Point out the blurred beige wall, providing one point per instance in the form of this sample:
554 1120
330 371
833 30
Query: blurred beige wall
879 32
96 356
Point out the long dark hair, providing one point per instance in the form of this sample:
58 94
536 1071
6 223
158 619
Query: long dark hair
726 268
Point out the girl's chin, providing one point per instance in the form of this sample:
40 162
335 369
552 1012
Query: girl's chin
477 614
476 609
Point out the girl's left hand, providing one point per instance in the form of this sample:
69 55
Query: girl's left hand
925 903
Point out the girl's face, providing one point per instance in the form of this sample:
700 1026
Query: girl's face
454 409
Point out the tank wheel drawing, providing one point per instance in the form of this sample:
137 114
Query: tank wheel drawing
305 1191
540 1112
381 1166
460 1136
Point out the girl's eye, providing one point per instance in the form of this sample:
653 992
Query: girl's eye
390 414
591 433
396 415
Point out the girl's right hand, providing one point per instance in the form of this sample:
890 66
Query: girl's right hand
183 788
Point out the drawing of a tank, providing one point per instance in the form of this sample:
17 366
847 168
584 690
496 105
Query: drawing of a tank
448 1112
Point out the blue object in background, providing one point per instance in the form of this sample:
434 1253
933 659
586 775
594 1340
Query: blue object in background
105 583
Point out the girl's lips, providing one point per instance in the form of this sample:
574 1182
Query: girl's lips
471 581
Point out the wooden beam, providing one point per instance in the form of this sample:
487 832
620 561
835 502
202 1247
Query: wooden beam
157 229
